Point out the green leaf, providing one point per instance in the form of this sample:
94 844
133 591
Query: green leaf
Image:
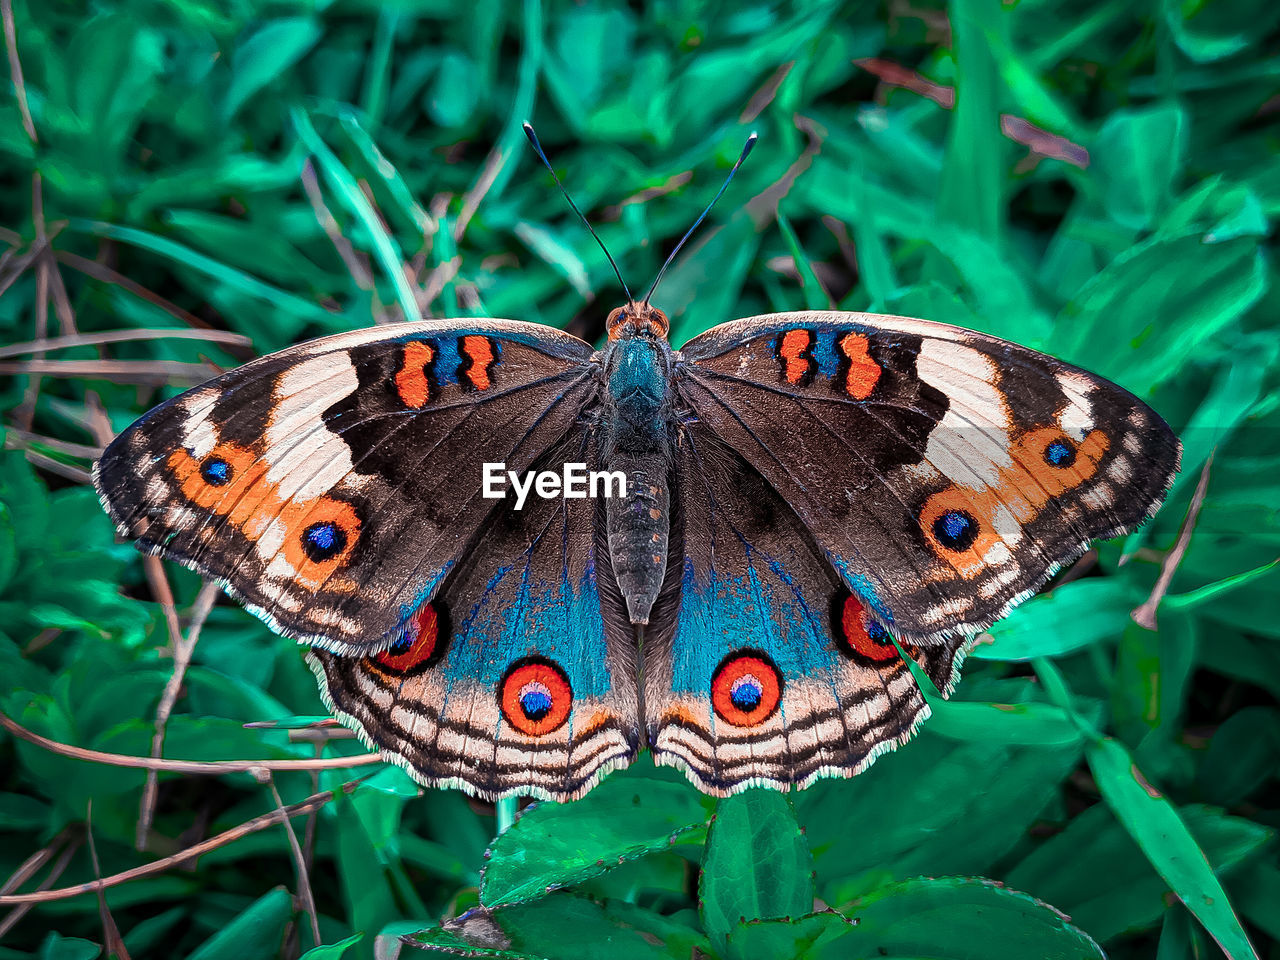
959 919
756 865
1137 157
971 195
565 927
1095 871
235 279
334 950
815 298
20 812
1243 754
254 933
1159 303
980 796
58 947
272 49
385 248
1066 619
1013 723
117 62
554 845
1156 826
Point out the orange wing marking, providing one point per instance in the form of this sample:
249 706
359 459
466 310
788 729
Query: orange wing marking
412 384
479 351
793 351
864 373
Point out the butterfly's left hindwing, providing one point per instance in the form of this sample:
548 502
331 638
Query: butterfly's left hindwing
943 473
772 671
334 485
512 679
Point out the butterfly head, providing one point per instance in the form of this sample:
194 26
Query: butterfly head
637 319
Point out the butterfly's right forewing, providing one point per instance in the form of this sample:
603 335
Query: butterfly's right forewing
334 485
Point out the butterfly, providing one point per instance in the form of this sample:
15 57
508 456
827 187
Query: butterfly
807 500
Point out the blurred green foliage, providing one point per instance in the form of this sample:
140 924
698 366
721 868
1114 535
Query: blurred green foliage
1096 179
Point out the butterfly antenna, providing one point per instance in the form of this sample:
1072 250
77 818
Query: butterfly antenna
746 149
533 139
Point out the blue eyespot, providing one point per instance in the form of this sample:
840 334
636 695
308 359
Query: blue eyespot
535 703
323 541
956 530
216 471
1058 454
746 694
876 632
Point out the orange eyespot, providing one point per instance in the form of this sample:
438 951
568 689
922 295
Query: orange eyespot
418 645
535 697
746 689
319 537
958 527
216 481
861 634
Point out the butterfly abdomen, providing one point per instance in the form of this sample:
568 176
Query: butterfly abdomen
638 426
639 528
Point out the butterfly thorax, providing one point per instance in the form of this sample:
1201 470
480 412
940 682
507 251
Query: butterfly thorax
636 438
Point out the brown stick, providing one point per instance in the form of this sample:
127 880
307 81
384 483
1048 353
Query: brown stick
122 336
15 69
76 474
183 647
1145 615
100 271
313 802
25 441
359 270
1017 129
300 867
200 767
112 942
158 581
64 859
155 372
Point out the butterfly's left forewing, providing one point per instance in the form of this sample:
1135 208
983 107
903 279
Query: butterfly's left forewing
943 473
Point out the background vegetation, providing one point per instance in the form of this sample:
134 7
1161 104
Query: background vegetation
1097 179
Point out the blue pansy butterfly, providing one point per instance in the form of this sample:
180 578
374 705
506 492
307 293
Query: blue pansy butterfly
801 491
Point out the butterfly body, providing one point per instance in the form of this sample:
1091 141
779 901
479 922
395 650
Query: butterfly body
809 498
639 432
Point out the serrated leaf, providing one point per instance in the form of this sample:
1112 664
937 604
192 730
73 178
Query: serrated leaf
757 865
554 845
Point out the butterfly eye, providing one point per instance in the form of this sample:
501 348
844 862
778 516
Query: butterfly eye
956 529
535 697
216 471
746 689
1059 454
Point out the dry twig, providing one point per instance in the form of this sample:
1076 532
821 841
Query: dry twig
1145 615
259 768
183 646
300 866
314 802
